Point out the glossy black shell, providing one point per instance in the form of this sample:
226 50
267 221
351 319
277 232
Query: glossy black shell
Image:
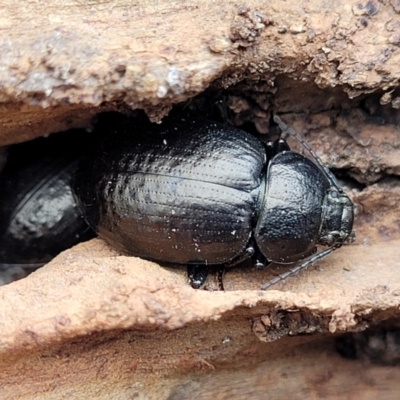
183 193
197 192
292 213
39 216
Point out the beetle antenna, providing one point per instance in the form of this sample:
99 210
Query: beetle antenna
289 131
297 268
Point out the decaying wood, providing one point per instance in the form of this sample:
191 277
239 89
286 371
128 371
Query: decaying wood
80 55
94 323
126 365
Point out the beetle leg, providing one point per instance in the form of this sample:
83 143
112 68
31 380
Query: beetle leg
259 261
197 274
281 145
269 149
248 252
220 275
273 148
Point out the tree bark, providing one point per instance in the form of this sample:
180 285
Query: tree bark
74 56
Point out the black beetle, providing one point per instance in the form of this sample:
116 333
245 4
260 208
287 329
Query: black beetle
39 216
199 193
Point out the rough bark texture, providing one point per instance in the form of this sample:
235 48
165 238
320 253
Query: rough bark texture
73 56
96 324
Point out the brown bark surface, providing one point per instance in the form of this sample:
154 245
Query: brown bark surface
70 56
96 324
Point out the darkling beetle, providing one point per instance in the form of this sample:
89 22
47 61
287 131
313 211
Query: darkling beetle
39 216
199 193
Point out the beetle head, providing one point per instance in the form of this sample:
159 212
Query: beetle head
337 219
